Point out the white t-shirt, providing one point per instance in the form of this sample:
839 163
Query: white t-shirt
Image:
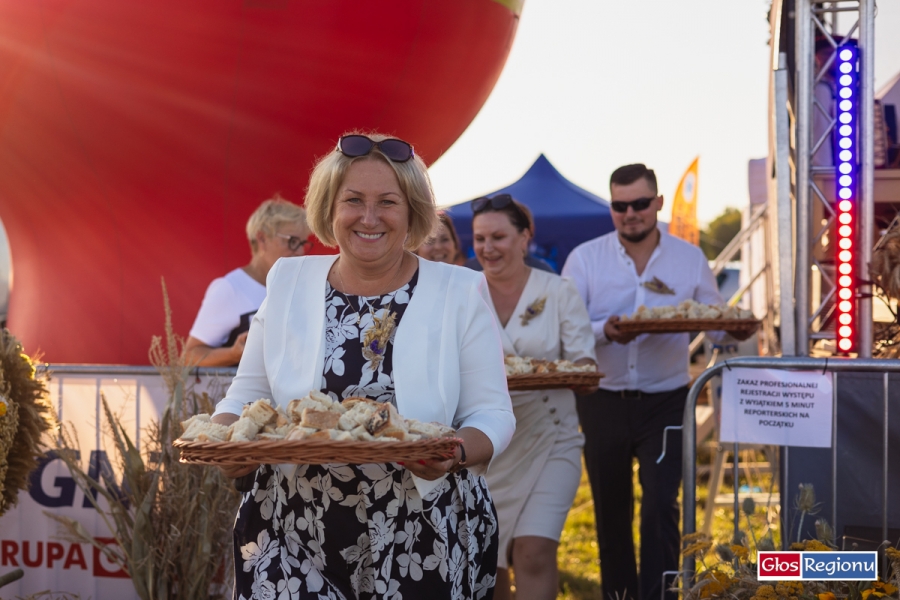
230 303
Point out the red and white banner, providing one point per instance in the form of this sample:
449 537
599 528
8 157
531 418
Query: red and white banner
29 539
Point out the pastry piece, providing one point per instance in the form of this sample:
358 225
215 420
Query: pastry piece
269 436
319 419
244 430
300 433
386 421
193 426
260 412
360 433
429 430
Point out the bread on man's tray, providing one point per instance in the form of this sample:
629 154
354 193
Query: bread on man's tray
689 309
523 365
315 417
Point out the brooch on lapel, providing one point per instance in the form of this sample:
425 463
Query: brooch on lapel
377 336
657 286
533 310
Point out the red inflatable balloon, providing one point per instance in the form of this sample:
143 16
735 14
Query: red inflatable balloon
137 137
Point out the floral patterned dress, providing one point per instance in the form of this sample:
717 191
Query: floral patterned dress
341 531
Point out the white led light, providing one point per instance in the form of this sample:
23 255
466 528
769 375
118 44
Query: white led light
845 344
845 80
845 218
845 319
845 130
845 268
846 54
845 332
845 168
846 92
845 231
845 244
845 281
846 117
845 143
845 180
846 67
846 105
845 193
846 306
845 294
845 205
845 256
845 155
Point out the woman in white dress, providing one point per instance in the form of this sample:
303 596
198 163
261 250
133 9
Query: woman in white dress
533 483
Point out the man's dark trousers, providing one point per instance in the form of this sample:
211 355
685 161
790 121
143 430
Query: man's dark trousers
617 427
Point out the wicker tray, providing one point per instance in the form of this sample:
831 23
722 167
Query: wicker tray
550 381
687 325
313 452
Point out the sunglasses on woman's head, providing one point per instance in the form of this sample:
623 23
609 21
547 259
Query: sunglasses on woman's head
498 202
360 145
638 205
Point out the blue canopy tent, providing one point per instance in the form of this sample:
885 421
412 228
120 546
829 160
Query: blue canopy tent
565 215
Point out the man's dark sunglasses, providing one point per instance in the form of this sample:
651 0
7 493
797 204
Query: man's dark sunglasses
636 205
360 145
294 242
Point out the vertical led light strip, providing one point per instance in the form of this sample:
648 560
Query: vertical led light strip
846 143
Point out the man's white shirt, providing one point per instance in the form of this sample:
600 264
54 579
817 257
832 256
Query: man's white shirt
609 284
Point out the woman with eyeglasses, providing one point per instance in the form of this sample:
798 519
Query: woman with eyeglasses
276 229
533 483
443 246
373 321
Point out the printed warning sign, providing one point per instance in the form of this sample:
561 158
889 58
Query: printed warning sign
776 407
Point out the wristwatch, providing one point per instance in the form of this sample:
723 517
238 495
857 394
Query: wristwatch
459 466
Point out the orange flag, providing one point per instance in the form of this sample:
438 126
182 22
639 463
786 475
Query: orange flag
684 207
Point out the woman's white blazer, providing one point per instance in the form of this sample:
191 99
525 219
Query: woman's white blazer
447 354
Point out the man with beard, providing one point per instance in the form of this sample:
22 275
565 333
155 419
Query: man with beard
646 382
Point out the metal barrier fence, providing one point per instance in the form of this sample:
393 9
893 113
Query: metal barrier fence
835 366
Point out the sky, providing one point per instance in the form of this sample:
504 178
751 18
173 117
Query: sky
596 84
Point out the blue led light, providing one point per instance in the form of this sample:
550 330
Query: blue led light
846 117
846 67
845 167
845 130
845 180
845 143
846 155
845 193
846 105
846 54
845 80
846 92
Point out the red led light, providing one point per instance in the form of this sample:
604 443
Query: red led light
845 256
845 294
844 268
845 344
845 231
845 218
844 243
845 205
845 332
845 306
845 319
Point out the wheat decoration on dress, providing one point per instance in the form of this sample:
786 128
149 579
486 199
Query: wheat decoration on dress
533 310
656 285
377 336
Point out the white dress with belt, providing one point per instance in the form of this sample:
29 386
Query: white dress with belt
534 481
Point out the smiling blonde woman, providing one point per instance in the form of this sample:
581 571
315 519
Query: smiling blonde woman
378 322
